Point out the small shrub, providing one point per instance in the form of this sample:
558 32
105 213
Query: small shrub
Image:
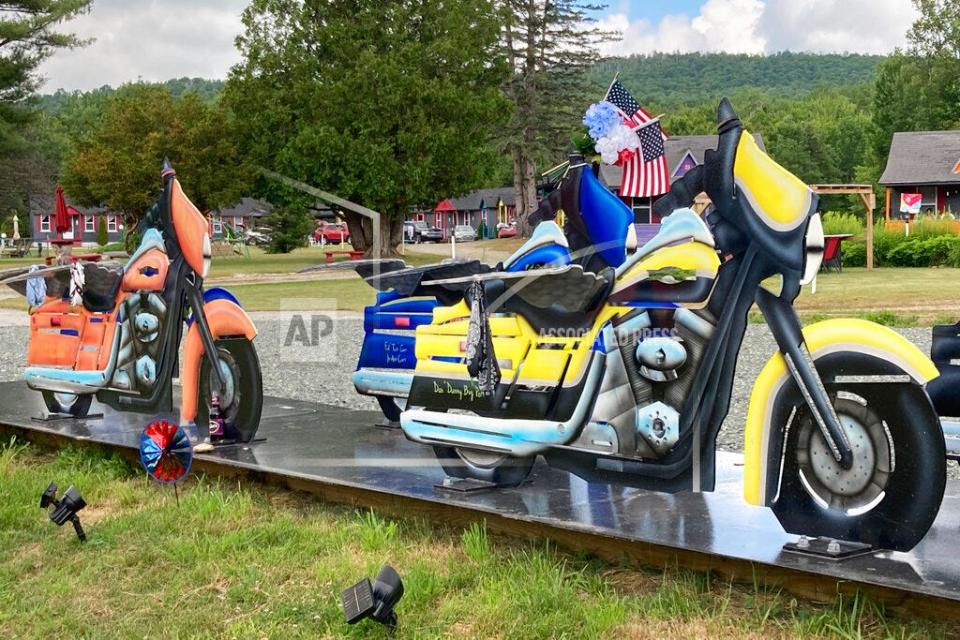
854 254
835 223
929 251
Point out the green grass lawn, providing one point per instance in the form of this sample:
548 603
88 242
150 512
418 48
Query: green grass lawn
348 294
261 262
245 561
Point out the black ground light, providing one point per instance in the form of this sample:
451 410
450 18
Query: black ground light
375 601
65 508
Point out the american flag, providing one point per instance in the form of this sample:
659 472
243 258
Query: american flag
646 174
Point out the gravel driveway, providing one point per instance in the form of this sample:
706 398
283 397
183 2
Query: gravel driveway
322 373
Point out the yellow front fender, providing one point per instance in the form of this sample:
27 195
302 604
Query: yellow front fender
822 338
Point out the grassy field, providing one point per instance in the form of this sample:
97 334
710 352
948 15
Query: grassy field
246 561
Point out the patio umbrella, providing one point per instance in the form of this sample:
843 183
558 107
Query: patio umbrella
16 227
61 218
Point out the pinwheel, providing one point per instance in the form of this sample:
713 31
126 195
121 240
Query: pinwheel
165 452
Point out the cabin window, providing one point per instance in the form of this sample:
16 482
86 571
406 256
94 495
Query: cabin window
217 225
88 224
928 200
112 224
45 224
237 222
641 210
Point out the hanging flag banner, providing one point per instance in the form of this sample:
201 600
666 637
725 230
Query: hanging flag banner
910 202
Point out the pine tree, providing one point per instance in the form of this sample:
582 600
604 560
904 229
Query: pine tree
548 49
102 237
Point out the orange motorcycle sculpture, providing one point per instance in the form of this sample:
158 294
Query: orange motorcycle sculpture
113 331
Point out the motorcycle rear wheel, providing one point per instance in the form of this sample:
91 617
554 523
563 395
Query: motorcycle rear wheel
891 495
500 469
244 397
77 406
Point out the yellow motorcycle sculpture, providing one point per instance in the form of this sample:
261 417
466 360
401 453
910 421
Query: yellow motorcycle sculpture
625 375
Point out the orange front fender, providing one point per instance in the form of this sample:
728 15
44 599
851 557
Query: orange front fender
225 318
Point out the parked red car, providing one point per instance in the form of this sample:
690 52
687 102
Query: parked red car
507 231
332 232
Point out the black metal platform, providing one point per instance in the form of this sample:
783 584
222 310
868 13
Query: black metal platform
341 456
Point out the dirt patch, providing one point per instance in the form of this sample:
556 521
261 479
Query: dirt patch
688 630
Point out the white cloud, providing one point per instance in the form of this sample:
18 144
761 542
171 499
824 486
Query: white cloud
861 26
158 40
722 25
147 39
768 26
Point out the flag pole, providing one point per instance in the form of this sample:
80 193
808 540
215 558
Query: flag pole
616 76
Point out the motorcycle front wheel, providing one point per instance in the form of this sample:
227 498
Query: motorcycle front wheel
77 406
242 401
891 494
500 469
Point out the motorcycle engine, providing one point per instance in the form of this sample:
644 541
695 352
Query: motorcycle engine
661 351
144 314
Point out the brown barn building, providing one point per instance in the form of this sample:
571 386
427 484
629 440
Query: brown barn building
924 162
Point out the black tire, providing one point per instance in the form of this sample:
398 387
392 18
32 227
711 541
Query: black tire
501 470
242 414
391 410
891 496
77 406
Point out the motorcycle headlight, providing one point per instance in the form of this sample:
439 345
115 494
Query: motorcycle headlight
814 243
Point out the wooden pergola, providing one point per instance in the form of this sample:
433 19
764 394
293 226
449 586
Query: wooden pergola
869 198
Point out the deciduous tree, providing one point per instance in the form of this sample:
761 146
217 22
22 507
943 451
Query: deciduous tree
387 104
118 163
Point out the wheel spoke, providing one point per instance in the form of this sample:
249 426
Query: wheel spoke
837 502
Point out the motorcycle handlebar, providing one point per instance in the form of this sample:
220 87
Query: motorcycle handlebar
682 193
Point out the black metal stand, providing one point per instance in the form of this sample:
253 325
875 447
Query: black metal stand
828 548
52 417
231 442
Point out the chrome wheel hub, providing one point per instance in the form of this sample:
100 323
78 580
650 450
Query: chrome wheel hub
831 474
483 459
861 487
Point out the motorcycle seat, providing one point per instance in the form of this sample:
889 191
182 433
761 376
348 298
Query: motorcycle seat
410 281
101 282
559 302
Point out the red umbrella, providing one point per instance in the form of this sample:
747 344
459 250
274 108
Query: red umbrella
61 218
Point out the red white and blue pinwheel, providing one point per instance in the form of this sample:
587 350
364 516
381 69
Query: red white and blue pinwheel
165 452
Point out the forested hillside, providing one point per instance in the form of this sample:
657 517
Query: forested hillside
692 77
208 90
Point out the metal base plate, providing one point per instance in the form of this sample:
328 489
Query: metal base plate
828 548
49 417
464 485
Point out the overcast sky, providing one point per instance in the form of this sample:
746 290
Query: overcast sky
157 40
